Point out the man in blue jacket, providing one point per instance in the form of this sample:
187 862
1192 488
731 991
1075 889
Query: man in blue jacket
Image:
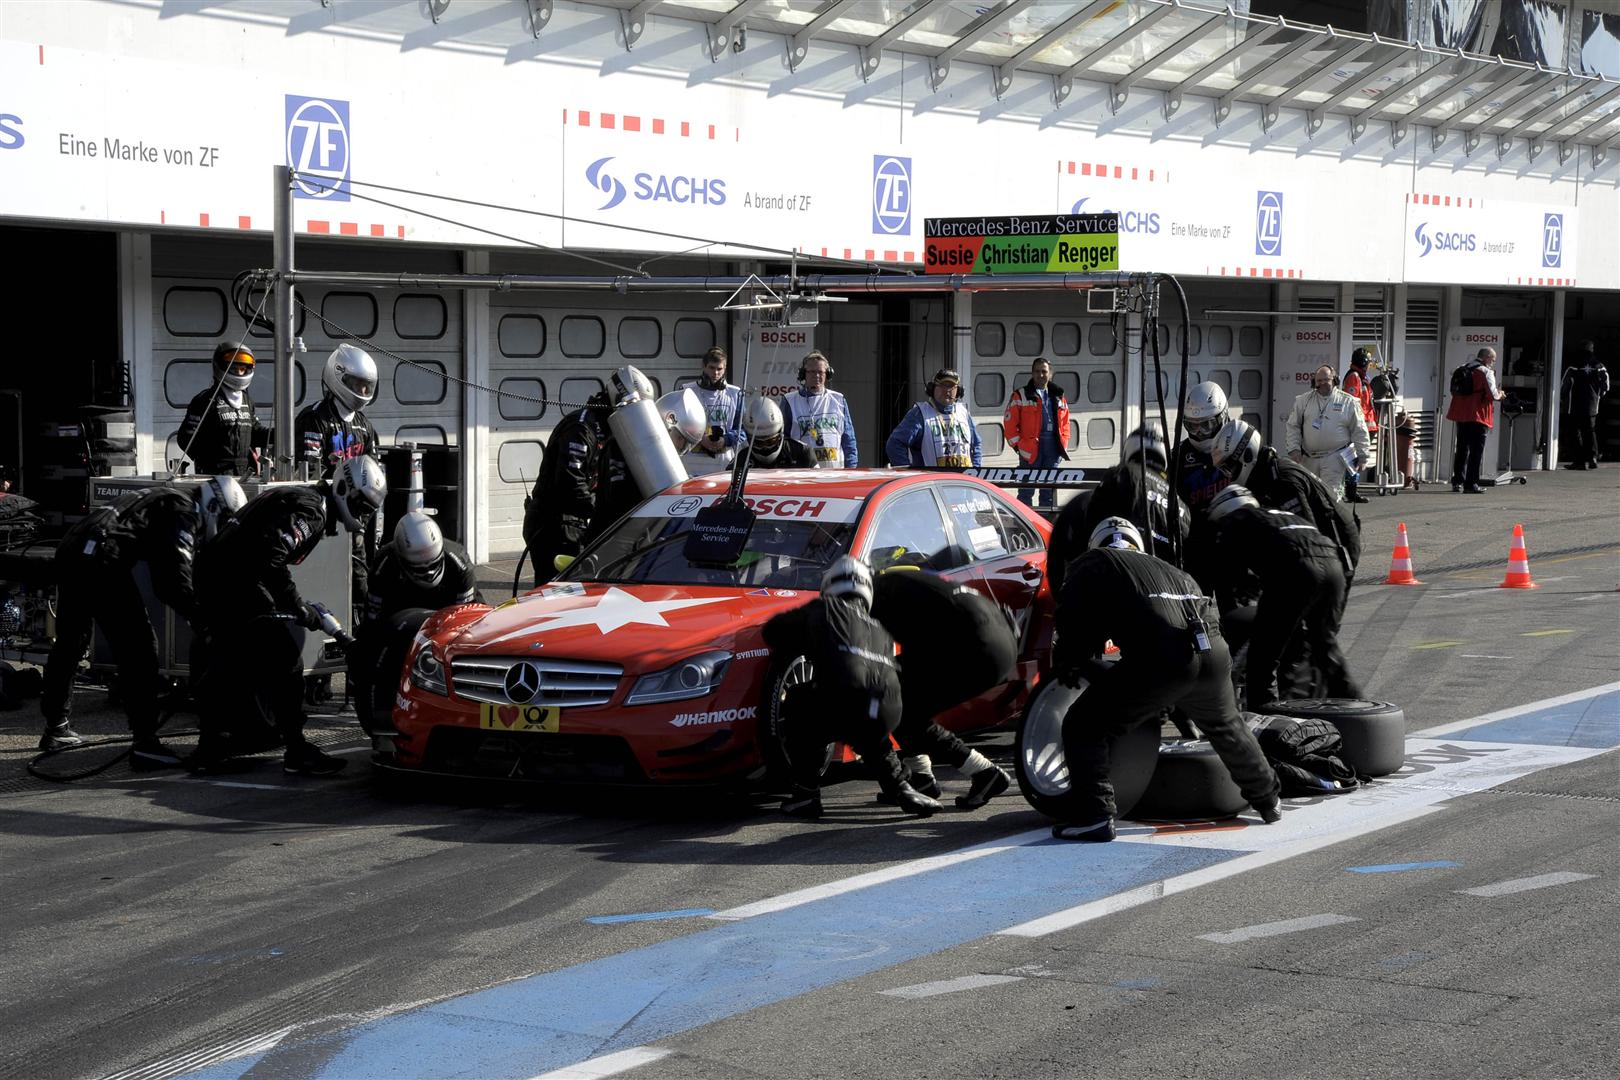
937 431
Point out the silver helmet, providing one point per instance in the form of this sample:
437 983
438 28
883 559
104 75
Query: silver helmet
762 423
1236 449
629 384
848 577
358 490
350 376
1146 443
1116 532
683 414
218 499
419 546
233 365
1204 414
1229 500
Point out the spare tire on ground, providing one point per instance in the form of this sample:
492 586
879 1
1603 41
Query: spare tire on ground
1190 782
1043 775
1374 732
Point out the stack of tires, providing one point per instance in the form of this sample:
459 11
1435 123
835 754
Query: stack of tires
110 433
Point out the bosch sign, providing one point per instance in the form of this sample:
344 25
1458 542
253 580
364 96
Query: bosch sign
318 147
11 136
1314 335
891 194
655 187
1268 222
1130 221
1552 240
1442 241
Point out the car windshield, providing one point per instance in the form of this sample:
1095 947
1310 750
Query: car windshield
652 551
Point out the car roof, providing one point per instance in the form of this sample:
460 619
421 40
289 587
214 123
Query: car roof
826 483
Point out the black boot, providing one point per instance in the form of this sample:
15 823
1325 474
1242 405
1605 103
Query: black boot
803 803
913 801
150 755
986 785
59 736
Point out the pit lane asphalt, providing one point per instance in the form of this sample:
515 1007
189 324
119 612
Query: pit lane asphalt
151 921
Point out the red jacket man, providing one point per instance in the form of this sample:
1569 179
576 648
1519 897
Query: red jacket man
1357 386
1473 412
1037 425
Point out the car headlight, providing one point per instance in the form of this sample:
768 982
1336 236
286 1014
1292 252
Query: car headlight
693 677
427 671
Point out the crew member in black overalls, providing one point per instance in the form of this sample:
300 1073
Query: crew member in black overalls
419 570
954 645
253 618
221 433
335 430
1302 593
854 696
95 563
1170 654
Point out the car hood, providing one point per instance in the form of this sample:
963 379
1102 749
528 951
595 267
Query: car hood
642 627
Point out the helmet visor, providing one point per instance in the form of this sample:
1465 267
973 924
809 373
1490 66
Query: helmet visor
1206 427
362 386
768 445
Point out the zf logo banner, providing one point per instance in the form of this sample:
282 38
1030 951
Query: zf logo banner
1268 223
318 147
891 195
1552 240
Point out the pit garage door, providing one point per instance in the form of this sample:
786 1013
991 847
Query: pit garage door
561 348
192 313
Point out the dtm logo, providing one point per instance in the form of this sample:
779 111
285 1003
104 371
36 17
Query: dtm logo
318 147
1441 241
654 187
1130 221
1268 223
891 194
11 136
1552 240
607 185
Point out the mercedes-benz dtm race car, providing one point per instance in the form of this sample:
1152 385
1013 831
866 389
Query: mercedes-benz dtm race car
638 666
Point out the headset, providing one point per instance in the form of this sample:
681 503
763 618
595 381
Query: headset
817 355
928 389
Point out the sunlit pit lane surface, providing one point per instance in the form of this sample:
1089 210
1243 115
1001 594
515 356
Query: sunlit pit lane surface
605 1017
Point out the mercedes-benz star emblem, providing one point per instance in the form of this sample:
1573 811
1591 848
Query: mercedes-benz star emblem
522 683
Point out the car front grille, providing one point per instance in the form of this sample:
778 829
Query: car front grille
561 682
533 756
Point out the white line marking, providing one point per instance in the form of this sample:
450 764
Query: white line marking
1482 656
1593 596
1517 710
1096 909
879 877
607 1065
1454 595
949 986
1524 884
252 1044
352 750
1272 929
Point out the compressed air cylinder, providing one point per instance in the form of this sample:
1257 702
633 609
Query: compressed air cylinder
644 441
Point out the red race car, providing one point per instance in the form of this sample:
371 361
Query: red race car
637 666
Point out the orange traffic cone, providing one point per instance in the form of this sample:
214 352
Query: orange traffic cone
1518 571
1400 566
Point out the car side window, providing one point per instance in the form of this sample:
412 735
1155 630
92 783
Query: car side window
909 531
1019 536
973 516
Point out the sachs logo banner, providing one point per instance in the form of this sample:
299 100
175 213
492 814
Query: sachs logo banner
1437 240
319 147
1056 244
603 175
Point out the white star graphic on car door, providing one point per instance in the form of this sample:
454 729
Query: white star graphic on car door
615 609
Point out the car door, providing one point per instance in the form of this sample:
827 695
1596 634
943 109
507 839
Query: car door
1006 555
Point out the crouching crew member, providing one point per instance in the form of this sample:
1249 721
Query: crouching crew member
854 696
936 431
768 446
253 618
419 569
1280 484
95 562
954 645
1136 489
1171 654
1302 593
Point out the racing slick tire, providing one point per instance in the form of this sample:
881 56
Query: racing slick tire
1374 732
1190 783
773 741
1043 776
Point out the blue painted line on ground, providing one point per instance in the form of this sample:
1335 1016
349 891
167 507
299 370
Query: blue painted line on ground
1397 867
547 1021
1593 722
650 916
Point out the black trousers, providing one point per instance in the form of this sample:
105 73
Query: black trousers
1135 691
86 596
819 715
1583 432
1465 460
939 680
1298 618
251 682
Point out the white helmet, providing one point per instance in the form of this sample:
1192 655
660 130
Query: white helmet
419 545
762 423
218 499
1230 499
1236 449
1147 442
1204 414
629 384
848 576
358 489
1116 532
350 376
683 414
